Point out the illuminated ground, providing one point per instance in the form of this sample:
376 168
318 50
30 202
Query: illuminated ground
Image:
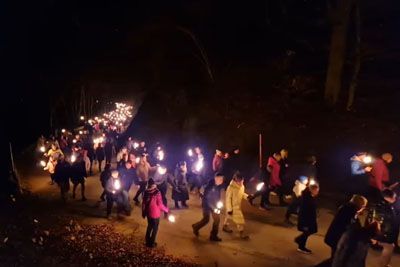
271 243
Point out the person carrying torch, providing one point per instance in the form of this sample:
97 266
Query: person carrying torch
151 209
235 193
211 205
115 193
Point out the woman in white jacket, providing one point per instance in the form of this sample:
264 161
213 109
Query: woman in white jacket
235 193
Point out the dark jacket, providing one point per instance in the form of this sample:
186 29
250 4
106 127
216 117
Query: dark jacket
390 225
352 248
211 195
128 177
78 171
307 220
104 177
62 172
100 153
344 218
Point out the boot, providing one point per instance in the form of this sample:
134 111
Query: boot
226 229
243 235
215 238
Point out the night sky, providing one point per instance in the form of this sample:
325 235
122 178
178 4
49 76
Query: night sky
52 48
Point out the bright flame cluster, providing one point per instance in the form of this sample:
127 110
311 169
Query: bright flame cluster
120 115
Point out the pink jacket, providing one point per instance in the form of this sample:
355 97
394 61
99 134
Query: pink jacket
152 204
275 180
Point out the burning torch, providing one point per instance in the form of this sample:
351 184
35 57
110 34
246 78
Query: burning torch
161 170
160 154
220 205
190 152
260 186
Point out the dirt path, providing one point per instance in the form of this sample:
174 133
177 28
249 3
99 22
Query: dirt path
271 243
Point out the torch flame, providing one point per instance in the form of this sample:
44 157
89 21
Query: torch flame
190 153
162 170
43 163
260 186
117 184
220 205
171 218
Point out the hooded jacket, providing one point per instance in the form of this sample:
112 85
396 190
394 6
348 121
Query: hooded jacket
234 195
152 203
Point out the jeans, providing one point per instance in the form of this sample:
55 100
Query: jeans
301 240
152 229
206 218
141 190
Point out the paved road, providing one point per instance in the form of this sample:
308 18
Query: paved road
271 244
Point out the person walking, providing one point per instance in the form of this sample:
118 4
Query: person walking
100 155
307 220
235 193
180 193
61 177
152 206
78 176
143 170
211 205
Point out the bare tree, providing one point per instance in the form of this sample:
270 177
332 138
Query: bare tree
340 25
357 56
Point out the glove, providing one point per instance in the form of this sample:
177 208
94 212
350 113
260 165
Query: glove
230 212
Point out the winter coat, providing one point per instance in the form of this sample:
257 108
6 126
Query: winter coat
55 154
143 171
352 249
152 203
62 172
344 218
307 219
233 200
357 167
275 180
379 174
78 172
179 185
128 177
298 188
211 195
100 153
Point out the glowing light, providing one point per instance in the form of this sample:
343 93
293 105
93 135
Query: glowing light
74 141
220 205
160 155
135 145
199 165
42 149
190 153
312 181
137 160
80 132
217 211
171 218
82 118
117 184
260 186
63 130
43 163
367 159
161 170
73 158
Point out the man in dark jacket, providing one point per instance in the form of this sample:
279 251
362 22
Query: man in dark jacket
352 249
116 193
104 177
78 175
128 175
100 155
211 205
346 216
388 235
307 220
61 177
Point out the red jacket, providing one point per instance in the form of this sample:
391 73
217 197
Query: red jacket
217 163
275 180
379 174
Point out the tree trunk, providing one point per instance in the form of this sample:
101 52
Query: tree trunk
337 52
357 57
